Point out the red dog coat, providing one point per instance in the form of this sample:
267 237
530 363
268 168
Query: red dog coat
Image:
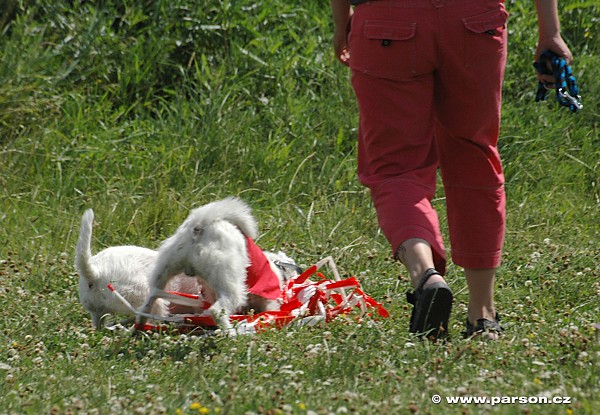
260 278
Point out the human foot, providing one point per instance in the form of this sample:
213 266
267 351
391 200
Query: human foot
432 300
491 329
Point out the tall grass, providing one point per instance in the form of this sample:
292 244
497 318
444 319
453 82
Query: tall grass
144 110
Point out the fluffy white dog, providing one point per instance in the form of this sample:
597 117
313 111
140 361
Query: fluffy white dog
215 244
125 267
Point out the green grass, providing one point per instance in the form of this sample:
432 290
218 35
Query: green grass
144 111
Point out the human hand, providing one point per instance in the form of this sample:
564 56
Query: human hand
342 16
559 47
340 46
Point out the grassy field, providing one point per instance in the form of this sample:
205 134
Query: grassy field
144 110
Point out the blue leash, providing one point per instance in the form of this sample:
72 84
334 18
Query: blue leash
567 92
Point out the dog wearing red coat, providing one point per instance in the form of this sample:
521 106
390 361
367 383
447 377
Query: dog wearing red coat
215 245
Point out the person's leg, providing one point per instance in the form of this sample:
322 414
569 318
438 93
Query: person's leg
481 311
397 158
417 257
468 102
481 294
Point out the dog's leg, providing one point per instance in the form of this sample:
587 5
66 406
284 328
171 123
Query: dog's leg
158 280
229 298
220 314
168 264
146 308
96 319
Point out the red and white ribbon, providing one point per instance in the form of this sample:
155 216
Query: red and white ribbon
305 300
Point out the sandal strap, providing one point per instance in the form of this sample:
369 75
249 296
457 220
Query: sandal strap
411 297
489 325
426 275
483 325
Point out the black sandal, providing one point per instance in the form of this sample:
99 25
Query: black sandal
483 326
432 306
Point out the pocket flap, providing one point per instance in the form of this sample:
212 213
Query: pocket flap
487 21
387 29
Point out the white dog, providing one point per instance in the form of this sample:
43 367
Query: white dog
125 267
215 244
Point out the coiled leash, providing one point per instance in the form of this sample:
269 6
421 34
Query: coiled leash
567 92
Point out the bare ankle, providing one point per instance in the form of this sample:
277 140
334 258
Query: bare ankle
417 257
416 279
487 312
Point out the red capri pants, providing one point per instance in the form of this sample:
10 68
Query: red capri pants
428 79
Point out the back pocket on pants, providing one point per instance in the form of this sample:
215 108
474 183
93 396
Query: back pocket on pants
383 48
485 36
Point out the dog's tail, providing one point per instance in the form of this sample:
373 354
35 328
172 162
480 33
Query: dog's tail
83 255
231 209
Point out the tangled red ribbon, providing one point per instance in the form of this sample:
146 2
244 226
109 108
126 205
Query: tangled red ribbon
303 300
